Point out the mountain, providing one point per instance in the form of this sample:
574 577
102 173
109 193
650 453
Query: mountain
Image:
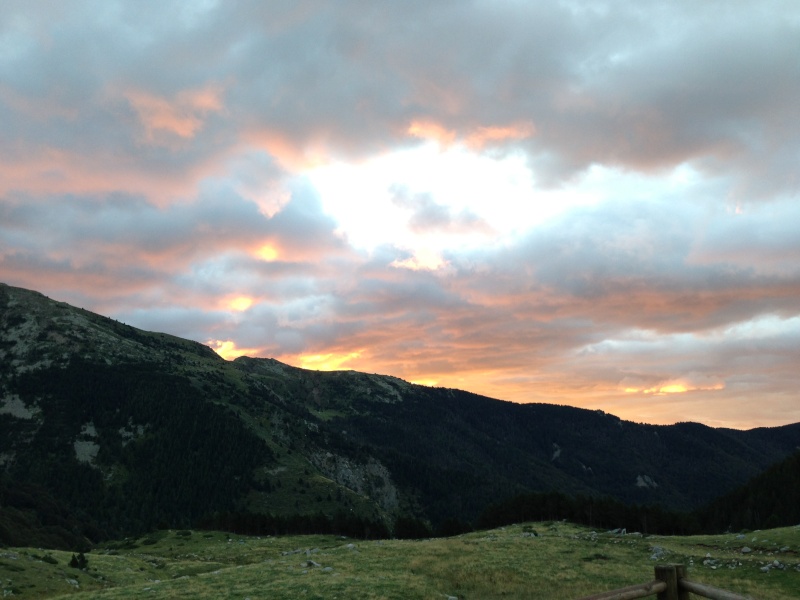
771 499
125 430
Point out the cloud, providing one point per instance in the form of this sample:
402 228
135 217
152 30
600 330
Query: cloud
181 117
618 86
131 251
477 139
428 216
158 166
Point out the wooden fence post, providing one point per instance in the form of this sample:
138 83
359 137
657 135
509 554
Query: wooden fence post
680 572
668 574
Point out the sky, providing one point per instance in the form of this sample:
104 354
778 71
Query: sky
586 203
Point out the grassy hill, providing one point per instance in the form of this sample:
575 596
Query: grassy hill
533 560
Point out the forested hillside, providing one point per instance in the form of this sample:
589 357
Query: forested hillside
122 431
771 499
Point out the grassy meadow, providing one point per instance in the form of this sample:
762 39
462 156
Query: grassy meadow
535 560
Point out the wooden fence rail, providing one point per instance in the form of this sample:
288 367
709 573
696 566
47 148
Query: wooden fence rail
670 584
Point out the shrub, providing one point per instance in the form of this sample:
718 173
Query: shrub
78 562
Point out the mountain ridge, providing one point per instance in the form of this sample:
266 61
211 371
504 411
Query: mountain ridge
131 429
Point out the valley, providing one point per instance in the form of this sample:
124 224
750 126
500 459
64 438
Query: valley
555 560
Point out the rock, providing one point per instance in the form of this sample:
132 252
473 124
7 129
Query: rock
746 550
658 553
327 570
765 569
645 481
556 452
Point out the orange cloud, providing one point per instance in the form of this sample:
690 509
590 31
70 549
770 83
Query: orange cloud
476 139
182 116
481 136
326 362
291 154
430 130
674 387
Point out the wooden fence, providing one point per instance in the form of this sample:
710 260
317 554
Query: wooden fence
670 584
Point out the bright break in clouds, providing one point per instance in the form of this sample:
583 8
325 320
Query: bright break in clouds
586 203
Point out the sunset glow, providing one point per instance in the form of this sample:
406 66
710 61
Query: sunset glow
326 362
267 253
426 382
227 349
593 207
240 303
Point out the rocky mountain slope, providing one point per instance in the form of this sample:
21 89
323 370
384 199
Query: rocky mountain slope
126 430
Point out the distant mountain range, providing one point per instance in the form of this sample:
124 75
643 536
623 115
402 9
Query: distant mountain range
108 430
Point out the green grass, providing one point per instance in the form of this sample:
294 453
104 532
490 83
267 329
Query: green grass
563 561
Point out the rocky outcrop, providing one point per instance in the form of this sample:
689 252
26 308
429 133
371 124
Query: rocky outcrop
370 479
